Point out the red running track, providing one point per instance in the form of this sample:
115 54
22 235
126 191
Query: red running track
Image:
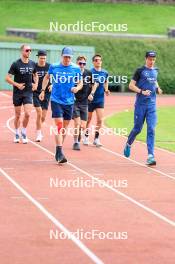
144 210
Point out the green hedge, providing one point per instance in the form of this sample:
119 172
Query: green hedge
122 56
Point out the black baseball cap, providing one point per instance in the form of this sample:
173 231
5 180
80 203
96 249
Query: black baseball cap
150 53
41 53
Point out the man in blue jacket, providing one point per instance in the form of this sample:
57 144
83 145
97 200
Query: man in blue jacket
144 83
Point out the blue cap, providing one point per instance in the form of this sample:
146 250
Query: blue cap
150 53
67 51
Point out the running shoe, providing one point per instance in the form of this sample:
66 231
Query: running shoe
150 161
97 142
86 141
127 150
24 138
16 139
76 146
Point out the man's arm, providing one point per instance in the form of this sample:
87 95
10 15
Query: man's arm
106 88
78 87
36 80
9 80
134 88
94 88
44 85
159 90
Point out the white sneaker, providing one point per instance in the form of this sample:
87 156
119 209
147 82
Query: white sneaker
16 139
39 137
86 141
97 142
24 138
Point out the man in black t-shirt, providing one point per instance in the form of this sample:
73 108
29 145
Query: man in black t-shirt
41 107
23 85
80 113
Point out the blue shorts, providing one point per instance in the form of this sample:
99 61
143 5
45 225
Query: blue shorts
94 106
43 104
22 98
61 111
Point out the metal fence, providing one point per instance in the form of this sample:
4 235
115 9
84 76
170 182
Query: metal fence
10 52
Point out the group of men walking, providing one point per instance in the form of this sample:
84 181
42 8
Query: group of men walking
75 93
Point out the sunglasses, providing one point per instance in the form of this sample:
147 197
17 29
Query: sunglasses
28 50
97 60
82 63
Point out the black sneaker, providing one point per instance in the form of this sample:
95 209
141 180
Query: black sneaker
76 146
62 159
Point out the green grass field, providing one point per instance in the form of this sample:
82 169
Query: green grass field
141 18
165 130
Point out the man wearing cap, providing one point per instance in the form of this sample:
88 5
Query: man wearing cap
41 107
25 81
144 83
65 76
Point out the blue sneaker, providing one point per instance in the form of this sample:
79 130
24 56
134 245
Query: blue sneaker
127 150
150 161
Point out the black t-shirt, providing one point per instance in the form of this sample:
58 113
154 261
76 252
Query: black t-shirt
82 95
41 71
23 73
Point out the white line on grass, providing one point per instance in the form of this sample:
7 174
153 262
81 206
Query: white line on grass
86 250
138 141
151 211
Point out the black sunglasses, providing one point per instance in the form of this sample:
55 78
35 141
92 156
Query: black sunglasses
82 63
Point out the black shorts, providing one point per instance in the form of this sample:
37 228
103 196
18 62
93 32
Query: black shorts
22 99
43 104
61 111
80 110
94 106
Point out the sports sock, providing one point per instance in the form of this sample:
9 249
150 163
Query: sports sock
59 149
17 131
23 130
96 134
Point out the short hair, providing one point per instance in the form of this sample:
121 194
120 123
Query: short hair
81 57
23 45
96 55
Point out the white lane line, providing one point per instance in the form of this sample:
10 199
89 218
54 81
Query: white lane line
17 197
22 197
138 163
4 94
151 211
5 107
86 250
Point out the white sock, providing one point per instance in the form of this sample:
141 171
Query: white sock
23 130
17 131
